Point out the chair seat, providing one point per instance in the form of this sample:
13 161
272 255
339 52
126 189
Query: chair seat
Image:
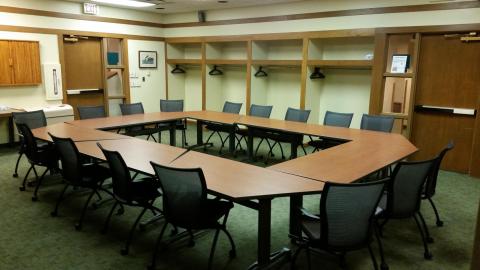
212 211
93 174
145 190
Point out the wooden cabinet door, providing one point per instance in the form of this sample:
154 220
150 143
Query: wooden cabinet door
6 76
26 63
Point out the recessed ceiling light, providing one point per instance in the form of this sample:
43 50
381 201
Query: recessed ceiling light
222 1
128 3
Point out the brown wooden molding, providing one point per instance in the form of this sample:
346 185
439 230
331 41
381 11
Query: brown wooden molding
46 13
40 30
336 13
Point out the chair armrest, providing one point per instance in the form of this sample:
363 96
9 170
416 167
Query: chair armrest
308 215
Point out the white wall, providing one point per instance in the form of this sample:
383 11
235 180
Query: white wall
153 89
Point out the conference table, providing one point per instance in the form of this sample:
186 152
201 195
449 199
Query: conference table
362 153
8 114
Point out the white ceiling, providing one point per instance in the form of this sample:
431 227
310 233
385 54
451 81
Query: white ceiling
175 6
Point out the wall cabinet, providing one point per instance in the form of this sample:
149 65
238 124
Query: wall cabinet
19 63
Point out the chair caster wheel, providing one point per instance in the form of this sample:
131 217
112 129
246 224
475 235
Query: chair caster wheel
439 223
428 255
21 188
15 175
78 227
54 214
232 253
124 252
430 240
34 199
384 266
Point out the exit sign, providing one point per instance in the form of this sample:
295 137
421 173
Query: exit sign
89 8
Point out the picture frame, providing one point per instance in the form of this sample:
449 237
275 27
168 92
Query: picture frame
147 59
400 63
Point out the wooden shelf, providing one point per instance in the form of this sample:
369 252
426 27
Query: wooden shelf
396 115
184 61
398 75
226 62
277 62
342 64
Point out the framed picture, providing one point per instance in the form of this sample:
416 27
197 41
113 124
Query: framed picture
147 59
400 63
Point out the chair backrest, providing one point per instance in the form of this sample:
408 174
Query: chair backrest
29 142
232 107
297 115
133 108
261 110
171 105
405 188
121 178
337 119
347 212
431 183
88 112
70 157
377 123
184 194
33 119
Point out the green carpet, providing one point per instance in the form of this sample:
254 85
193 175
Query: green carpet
31 239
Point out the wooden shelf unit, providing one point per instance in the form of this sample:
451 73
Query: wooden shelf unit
341 64
184 61
277 62
225 62
20 63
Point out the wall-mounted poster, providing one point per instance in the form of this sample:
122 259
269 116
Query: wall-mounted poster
147 59
400 63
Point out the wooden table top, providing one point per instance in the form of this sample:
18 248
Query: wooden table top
77 134
8 113
241 181
114 122
211 116
137 153
351 161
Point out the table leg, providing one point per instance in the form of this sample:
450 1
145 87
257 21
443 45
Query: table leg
231 143
199 132
250 144
264 226
173 134
293 148
296 202
11 138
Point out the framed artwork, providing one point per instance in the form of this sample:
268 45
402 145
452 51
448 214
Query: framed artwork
147 59
400 63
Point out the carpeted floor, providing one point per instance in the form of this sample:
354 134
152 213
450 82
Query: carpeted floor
31 239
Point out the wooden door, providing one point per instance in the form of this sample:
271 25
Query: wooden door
5 64
84 71
448 76
26 63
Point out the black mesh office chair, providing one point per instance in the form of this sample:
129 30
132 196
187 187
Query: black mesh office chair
403 196
377 123
334 119
431 184
137 108
228 107
292 114
185 205
33 119
44 156
141 193
89 112
77 174
346 221
262 111
174 106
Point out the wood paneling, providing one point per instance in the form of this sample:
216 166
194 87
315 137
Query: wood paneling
26 62
83 64
342 64
303 82
376 92
6 75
